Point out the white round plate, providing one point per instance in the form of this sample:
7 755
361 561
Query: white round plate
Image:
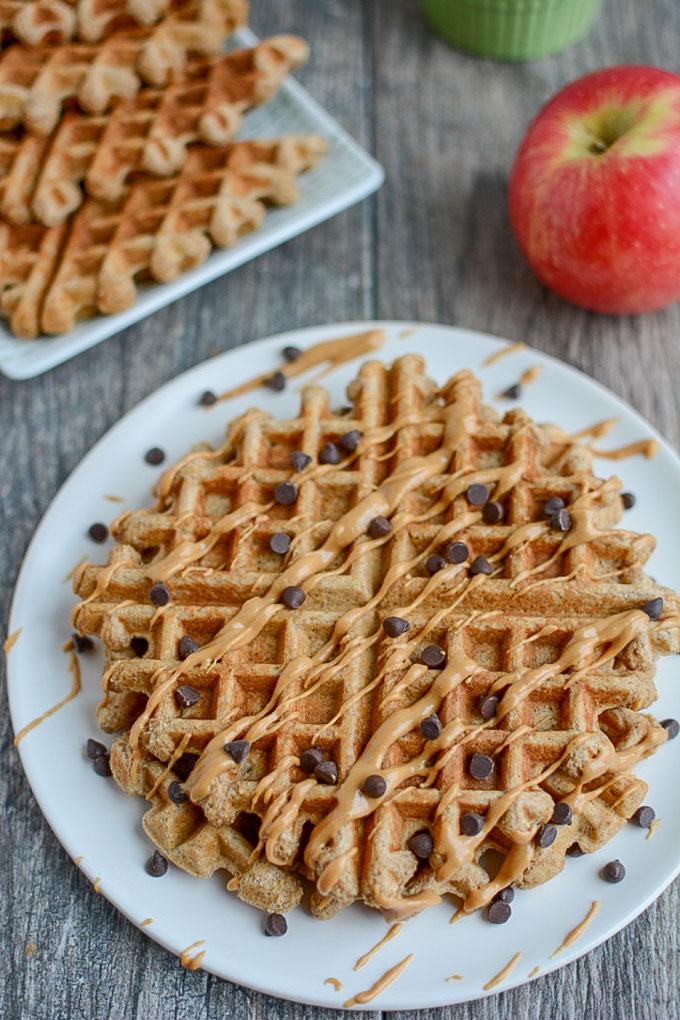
95 822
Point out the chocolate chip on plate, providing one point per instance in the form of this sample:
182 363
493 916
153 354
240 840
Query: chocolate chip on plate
95 749
574 850
176 792
552 505
275 925
184 766
488 706
276 382
310 758
207 398
279 543
456 552
477 494
374 786
285 494
186 696
431 727
394 626
237 750
154 456
329 454
628 500
326 772
513 392
378 527
81 642
644 816
291 353
292 597
480 565
653 608
433 656
139 645
493 512
156 866
498 912
506 895
160 594
546 835
434 563
614 871
421 845
350 440
480 766
562 814
672 728
471 823
101 765
98 532
300 460
561 520
187 646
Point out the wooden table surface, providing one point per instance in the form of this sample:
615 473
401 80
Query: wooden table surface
434 245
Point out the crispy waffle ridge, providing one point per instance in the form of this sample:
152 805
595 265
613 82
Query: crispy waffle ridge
47 178
36 81
556 631
50 277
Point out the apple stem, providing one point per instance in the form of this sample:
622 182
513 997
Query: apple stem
597 147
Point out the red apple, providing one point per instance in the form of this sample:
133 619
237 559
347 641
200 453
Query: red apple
595 191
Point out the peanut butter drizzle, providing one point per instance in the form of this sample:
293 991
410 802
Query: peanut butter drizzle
530 375
11 640
96 885
336 352
114 499
598 430
74 669
579 930
388 978
332 873
146 922
503 973
72 572
656 822
78 860
647 447
192 962
502 352
392 933
454 977
534 971
335 983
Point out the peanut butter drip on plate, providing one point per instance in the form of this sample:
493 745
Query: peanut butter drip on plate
388 978
11 640
530 375
503 973
503 352
192 962
579 930
648 448
534 971
332 353
335 983
656 822
391 934
74 669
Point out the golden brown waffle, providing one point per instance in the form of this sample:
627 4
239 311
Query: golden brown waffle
42 178
35 82
556 632
43 22
51 277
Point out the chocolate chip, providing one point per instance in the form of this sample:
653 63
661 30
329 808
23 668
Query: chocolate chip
237 750
310 758
101 765
139 645
276 382
98 532
156 866
292 597
553 505
160 594
628 500
350 440
431 727
434 563
477 494
285 494
471 823
433 656
562 814
653 608
498 912
546 835
207 398
176 793
421 845
394 626
456 552
275 925
291 353
374 786
187 646
480 766
644 816
326 772
561 520
300 460
513 392
672 728
184 766
279 543
155 455
614 871
488 706
506 895
480 565
186 696
82 643
379 527
95 749
329 454
574 850
493 512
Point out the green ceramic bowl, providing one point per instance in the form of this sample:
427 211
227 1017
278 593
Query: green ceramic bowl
511 29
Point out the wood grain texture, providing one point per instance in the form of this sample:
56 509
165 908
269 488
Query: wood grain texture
435 245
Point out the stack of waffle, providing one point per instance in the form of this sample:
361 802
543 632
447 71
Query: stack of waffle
117 159
281 737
